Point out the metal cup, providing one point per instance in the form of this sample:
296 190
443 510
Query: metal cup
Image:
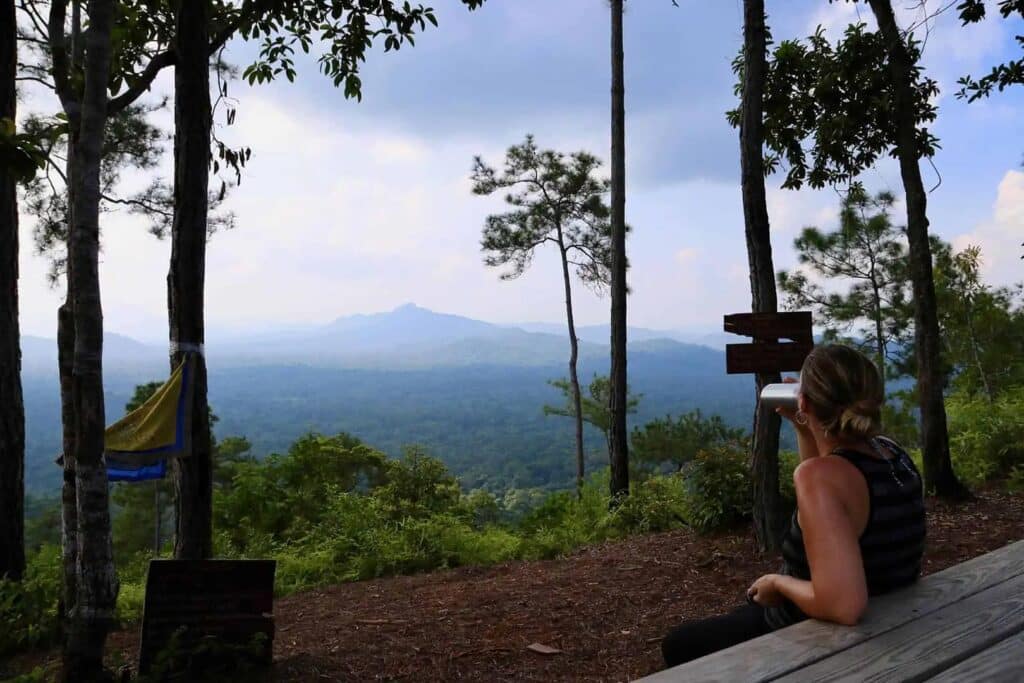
776 395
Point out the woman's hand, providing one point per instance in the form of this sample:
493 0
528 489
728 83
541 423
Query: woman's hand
765 591
788 412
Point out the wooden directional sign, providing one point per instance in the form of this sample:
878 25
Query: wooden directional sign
767 354
771 326
230 600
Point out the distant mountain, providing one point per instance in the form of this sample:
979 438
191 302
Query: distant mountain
471 391
600 334
714 339
39 354
408 337
405 325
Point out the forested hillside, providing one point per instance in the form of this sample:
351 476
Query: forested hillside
485 421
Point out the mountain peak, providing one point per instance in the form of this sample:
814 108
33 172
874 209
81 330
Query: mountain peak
408 307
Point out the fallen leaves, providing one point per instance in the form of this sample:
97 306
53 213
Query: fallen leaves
542 649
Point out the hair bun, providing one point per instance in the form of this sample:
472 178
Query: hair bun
862 418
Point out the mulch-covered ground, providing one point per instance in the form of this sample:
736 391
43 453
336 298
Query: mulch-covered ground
603 609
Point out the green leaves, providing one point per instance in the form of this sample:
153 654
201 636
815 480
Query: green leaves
1002 75
28 608
855 278
828 109
982 326
595 406
346 29
669 443
22 154
986 437
556 199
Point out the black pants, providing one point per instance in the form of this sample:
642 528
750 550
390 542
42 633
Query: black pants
699 637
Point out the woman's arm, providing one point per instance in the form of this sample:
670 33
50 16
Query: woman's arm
837 591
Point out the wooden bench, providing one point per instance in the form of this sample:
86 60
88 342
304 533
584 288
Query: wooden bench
962 624
228 600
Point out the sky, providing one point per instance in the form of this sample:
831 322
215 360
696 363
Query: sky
357 207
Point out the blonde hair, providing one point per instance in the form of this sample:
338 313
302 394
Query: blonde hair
844 390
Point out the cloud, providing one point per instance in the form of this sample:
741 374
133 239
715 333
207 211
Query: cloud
543 67
789 211
1000 236
687 256
352 207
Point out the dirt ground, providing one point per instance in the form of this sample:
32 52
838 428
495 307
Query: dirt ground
603 609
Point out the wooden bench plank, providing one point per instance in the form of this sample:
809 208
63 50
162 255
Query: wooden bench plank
800 645
1002 663
929 644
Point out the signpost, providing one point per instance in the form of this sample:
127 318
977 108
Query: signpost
767 354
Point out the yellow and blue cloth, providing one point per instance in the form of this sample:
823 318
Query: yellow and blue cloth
139 445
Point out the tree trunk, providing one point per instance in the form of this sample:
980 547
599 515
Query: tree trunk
92 614
193 476
619 443
574 350
12 409
879 332
938 470
65 367
156 515
767 504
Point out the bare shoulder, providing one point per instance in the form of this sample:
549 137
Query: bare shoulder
822 474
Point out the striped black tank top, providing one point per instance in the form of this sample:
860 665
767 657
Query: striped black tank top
893 540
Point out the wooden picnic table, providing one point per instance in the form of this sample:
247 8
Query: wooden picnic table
965 623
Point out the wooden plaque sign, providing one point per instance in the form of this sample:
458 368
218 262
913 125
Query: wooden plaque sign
767 353
231 600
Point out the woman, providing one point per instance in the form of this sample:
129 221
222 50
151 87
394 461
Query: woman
859 526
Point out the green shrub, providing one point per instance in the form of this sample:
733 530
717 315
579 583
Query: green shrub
553 511
359 538
130 599
36 675
788 460
298 569
718 489
1015 482
481 508
655 504
986 439
28 609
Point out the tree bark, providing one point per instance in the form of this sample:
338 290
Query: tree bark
69 500
879 332
156 516
65 368
12 409
193 476
938 470
92 614
767 504
574 352
619 442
